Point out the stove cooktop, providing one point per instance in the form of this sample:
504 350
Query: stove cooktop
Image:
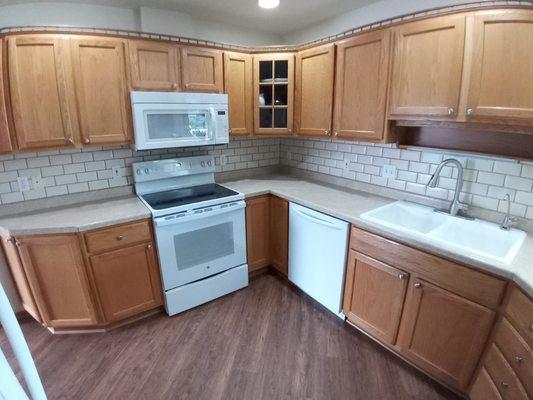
188 195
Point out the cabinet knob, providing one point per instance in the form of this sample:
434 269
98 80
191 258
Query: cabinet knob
469 111
174 85
87 140
229 131
18 243
9 240
504 385
418 285
120 237
336 133
530 327
450 110
519 359
401 276
326 133
148 246
70 140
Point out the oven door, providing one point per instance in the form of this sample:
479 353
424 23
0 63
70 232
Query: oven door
163 125
201 243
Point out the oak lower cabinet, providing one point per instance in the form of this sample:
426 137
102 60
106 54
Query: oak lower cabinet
435 313
127 281
374 296
279 234
86 281
57 277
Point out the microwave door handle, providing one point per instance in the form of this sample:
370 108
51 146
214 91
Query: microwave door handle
213 122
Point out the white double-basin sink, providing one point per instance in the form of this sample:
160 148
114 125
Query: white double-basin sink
475 238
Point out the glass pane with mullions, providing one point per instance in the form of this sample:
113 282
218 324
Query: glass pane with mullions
281 69
280 95
280 118
265 71
265 118
265 95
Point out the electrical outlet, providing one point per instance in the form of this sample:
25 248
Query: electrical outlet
117 172
346 165
223 159
24 183
388 171
37 182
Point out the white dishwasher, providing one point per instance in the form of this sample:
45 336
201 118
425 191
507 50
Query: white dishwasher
317 255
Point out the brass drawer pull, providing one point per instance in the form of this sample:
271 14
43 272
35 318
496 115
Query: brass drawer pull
504 385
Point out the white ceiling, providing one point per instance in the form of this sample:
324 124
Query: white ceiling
290 16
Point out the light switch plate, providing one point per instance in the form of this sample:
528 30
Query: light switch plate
388 171
24 183
223 159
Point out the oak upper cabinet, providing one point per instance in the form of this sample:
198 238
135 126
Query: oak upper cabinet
279 234
238 85
154 65
5 136
40 93
362 79
427 72
258 232
56 274
443 333
502 61
313 98
374 294
101 87
127 281
273 93
201 70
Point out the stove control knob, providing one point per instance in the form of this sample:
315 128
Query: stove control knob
146 171
139 172
202 163
209 163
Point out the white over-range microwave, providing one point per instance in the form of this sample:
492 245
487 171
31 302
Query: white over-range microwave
165 119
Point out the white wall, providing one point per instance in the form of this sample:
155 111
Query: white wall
361 16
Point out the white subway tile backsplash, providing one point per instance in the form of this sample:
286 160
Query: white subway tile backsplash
490 178
60 159
517 183
52 171
508 168
13 165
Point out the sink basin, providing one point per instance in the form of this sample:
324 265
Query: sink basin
474 237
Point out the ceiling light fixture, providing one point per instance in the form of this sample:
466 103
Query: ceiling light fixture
268 3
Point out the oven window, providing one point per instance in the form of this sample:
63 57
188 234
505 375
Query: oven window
175 125
204 245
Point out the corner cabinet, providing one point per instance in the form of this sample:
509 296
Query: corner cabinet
70 282
502 61
238 86
428 62
273 93
154 65
361 87
313 105
201 70
102 93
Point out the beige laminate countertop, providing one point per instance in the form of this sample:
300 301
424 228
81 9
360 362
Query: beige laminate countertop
76 218
349 205
344 204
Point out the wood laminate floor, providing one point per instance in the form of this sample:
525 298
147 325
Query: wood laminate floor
268 341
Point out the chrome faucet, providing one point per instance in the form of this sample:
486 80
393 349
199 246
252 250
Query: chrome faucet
456 207
508 221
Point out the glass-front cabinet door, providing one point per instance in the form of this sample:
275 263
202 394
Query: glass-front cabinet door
273 92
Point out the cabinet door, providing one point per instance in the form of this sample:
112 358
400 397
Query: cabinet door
101 90
258 232
273 93
57 277
443 333
39 91
238 85
501 77
154 66
428 62
127 281
362 77
313 100
484 388
374 295
279 234
5 136
201 70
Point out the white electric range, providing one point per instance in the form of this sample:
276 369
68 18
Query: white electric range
199 227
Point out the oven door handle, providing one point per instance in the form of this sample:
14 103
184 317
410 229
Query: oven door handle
199 215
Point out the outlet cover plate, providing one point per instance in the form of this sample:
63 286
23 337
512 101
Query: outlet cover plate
388 171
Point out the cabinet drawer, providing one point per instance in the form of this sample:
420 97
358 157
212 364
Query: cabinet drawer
520 312
464 281
484 388
117 236
517 352
503 376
